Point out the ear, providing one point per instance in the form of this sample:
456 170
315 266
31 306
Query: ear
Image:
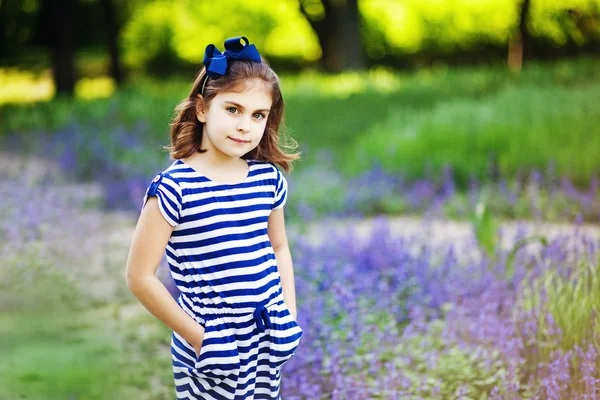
200 109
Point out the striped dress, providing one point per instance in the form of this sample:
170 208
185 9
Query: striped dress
223 263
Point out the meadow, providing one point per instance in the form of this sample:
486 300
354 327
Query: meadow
467 318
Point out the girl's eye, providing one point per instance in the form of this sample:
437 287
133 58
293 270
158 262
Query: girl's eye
259 116
232 108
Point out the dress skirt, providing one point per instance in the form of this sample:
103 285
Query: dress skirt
242 352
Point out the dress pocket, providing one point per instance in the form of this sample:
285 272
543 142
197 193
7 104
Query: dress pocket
219 357
285 339
289 315
200 355
206 340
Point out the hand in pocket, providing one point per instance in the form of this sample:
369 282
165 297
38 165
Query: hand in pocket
197 343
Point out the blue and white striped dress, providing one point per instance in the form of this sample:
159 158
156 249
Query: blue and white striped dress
223 263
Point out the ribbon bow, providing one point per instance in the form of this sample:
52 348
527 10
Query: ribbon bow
261 315
216 62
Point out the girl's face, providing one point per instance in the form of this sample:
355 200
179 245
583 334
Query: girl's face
235 123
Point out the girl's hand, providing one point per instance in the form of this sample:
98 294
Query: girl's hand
198 341
197 348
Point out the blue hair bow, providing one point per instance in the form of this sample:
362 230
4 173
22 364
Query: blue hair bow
216 62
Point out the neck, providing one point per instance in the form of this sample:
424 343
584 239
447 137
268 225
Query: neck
213 160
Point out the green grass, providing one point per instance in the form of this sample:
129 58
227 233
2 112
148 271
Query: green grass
62 354
50 356
521 127
572 301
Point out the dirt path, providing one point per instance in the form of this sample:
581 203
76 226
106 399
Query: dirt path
438 231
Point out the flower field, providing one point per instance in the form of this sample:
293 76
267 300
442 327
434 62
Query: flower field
385 316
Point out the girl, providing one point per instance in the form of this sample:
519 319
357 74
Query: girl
218 211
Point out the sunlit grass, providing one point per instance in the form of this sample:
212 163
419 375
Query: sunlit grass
343 85
20 87
94 88
17 86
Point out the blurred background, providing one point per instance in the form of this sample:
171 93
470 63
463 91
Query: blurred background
473 111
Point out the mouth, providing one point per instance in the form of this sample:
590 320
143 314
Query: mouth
239 140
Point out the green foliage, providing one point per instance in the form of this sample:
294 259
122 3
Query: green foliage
437 368
413 26
184 28
573 300
390 27
574 303
486 227
523 128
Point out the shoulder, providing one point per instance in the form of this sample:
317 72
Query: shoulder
264 169
279 176
175 172
167 179
165 186
269 166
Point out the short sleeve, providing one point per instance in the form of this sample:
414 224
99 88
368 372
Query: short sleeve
168 192
280 191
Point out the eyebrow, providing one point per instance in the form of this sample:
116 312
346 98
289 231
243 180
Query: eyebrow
242 107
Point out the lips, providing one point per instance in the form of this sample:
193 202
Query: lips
239 140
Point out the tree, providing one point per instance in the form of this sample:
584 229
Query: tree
337 25
4 47
57 18
58 23
112 33
519 49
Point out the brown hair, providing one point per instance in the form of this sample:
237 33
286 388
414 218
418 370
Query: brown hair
186 130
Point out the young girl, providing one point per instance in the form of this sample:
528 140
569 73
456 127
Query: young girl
218 211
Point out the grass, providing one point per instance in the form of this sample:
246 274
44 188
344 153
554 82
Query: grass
47 354
416 122
508 128
573 301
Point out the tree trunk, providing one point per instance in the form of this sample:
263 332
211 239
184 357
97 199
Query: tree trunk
354 55
339 35
4 52
112 32
518 50
61 40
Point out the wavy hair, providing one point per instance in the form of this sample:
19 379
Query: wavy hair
186 131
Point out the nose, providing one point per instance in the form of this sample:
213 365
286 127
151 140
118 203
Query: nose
243 125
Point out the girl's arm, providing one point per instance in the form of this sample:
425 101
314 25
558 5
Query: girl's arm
150 239
278 238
